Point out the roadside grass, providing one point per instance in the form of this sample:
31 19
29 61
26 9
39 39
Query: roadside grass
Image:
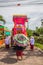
39 45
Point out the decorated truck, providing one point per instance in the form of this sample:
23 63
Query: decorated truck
19 24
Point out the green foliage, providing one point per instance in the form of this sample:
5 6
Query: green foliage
1 18
29 32
39 30
39 39
39 45
38 34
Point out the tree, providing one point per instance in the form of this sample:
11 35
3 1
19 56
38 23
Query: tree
1 19
29 32
39 30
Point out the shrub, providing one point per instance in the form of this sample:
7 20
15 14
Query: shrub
29 32
38 39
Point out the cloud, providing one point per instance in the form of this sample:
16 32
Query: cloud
35 13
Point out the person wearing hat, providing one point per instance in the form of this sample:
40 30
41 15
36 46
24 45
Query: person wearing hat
32 43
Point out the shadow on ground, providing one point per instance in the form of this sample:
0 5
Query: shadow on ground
36 52
9 59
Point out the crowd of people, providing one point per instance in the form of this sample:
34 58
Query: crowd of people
19 50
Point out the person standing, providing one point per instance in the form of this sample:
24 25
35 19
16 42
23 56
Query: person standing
7 41
32 41
19 52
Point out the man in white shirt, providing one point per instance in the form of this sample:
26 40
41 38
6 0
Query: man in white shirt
7 41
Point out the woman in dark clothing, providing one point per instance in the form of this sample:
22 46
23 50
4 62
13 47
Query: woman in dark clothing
19 52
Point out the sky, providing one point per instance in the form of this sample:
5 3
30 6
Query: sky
34 12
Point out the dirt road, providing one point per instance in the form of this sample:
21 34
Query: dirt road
8 57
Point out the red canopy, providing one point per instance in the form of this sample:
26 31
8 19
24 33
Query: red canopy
20 19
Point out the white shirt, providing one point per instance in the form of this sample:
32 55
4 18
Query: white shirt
32 41
7 40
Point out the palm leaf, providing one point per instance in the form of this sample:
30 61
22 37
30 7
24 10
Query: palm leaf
1 19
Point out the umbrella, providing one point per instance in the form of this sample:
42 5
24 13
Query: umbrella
21 40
